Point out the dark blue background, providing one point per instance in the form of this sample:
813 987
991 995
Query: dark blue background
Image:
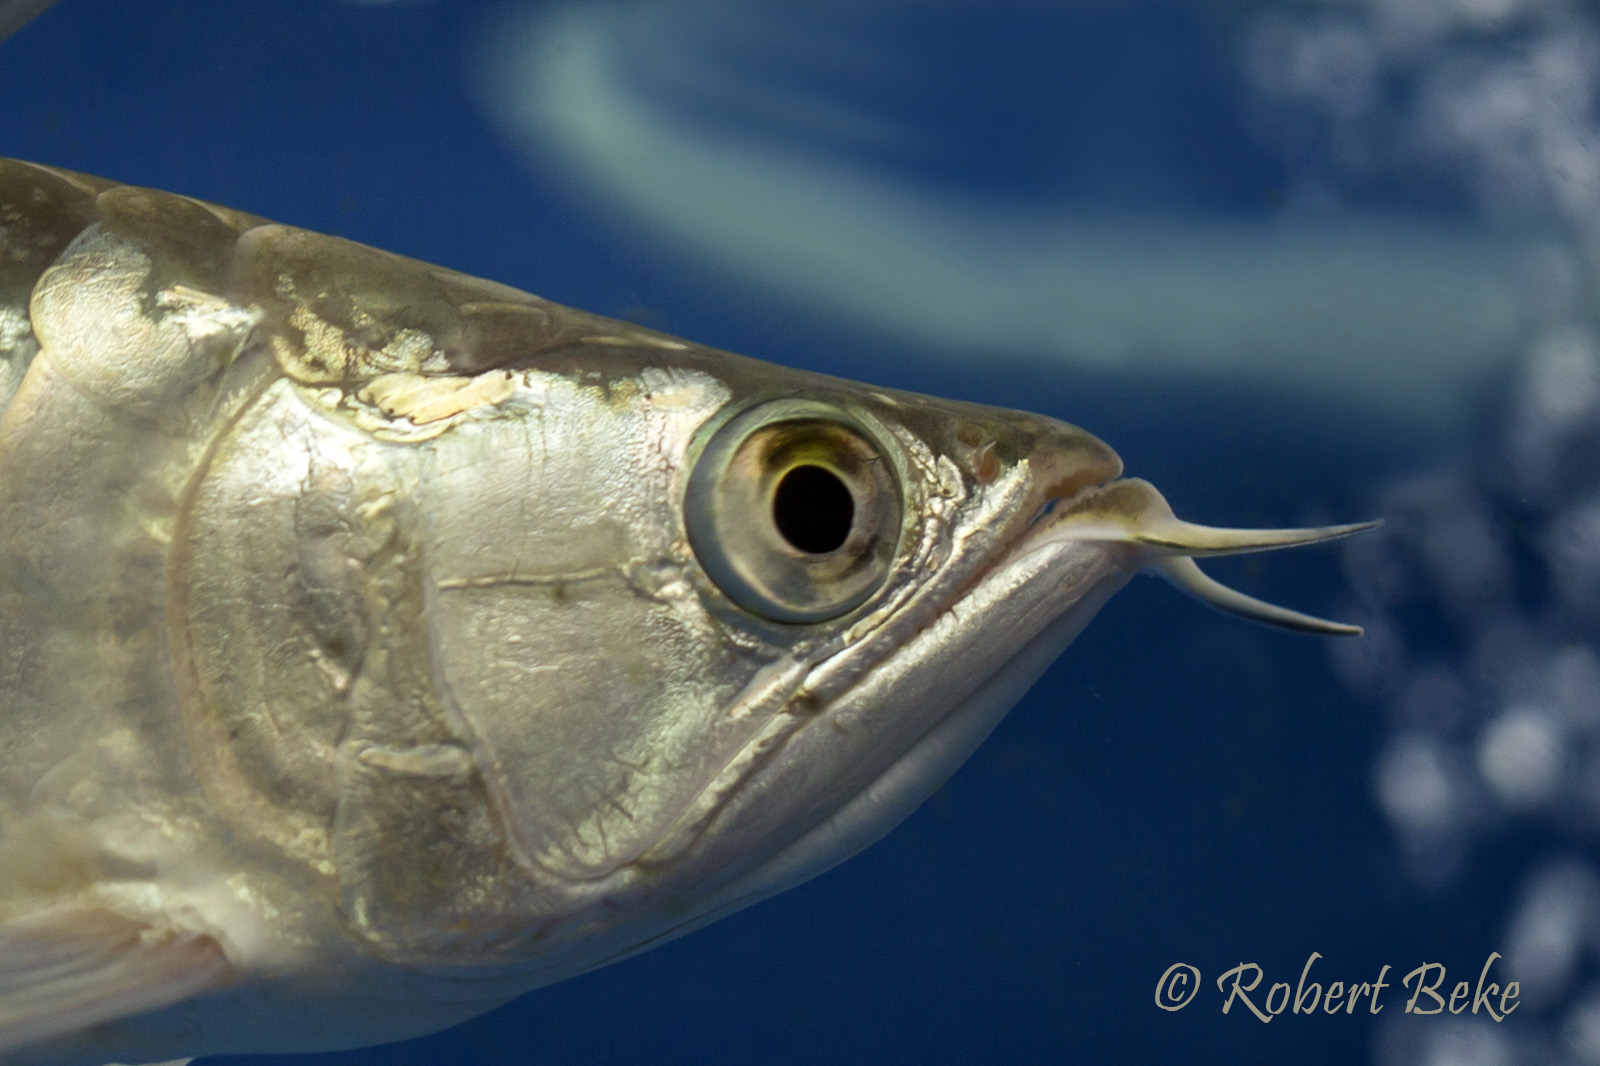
1179 787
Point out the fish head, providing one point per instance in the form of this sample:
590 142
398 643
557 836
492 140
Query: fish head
593 634
689 613
724 624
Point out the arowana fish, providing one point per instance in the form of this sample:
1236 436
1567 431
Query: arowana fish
378 643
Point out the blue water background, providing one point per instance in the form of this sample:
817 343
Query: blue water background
1180 787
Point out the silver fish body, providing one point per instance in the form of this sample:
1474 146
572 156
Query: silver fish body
377 643
14 14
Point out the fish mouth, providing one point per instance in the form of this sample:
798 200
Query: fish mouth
1132 512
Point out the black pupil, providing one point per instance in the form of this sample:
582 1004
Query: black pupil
813 509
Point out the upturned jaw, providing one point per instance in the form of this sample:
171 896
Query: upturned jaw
1012 532
856 737
890 726
1133 512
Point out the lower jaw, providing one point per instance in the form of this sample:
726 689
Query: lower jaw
900 789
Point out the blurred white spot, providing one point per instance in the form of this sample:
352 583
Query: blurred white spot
1551 927
1586 794
1484 108
1572 548
1521 756
1581 1031
1333 63
1561 383
1557 396
1409 1040
1497 100
1414 785
1468 1044
1574 683
1463 550
1572 159
1564 66
1509 657
1488 13
1450 524
1424 789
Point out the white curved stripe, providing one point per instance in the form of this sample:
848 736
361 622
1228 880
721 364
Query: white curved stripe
1392 310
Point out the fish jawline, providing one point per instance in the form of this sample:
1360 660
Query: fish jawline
903 786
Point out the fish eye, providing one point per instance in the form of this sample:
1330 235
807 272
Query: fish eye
794 509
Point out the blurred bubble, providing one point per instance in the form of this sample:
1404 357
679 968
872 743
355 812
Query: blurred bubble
1466 557
1586 794
1485 584
1409 1040
1575 686
1520 755
1551 927
1508 657
1572 548
1488 14
1581 1031
1414 784
1468 1044
1425 789
1334 64
1561 379
1517 671
1557 401
1446 522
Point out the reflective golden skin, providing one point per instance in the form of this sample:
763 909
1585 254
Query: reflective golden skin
377 643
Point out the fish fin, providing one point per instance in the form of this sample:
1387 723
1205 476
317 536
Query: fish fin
1187 575
68 968
1132 511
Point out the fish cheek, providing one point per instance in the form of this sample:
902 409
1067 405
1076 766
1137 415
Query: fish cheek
308 686
569 641
597 715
